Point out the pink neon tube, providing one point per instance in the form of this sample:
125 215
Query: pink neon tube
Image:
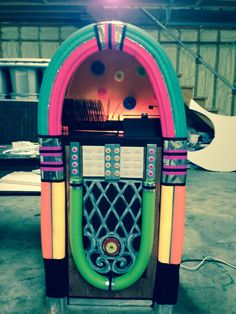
62 80
158 84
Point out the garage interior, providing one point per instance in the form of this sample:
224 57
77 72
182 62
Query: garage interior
199 37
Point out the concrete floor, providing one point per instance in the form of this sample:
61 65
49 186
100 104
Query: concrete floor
210 230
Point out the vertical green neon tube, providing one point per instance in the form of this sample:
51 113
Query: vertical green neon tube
76 238
145 250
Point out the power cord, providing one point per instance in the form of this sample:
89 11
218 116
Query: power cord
206 259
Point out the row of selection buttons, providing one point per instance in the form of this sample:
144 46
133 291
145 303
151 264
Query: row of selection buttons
108 150
116 158
151 160
116 173
74 157
112 161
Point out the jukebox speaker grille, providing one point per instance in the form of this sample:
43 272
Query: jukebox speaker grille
112 224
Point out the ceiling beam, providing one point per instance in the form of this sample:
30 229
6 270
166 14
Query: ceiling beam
112 3
79 8
106 4
78 12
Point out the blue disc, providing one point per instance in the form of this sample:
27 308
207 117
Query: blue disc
97 68
129 103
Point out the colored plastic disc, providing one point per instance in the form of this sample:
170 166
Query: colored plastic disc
129 103
102 91
140 71
119 76
97 68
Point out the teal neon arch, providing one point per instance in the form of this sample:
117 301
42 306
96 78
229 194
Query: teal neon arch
51 100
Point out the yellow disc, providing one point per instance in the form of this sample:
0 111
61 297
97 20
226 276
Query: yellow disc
119 76
111 247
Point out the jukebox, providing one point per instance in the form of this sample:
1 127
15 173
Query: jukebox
113 168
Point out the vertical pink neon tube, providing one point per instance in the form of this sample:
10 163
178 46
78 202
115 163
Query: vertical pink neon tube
62 80
158 84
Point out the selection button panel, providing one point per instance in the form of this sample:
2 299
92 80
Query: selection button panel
112 162
151 161
75 164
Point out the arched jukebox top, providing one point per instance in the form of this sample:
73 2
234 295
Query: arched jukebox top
111 37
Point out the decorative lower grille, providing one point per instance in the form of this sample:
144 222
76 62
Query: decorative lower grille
112 224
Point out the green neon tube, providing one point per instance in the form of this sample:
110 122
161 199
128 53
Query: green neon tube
145 250
76 238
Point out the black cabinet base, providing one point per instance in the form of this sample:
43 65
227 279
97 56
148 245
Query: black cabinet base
167 283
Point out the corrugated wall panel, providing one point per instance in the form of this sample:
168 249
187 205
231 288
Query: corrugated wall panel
165 37
208 35
29 49
10 49
189 35
227 69
47 49
49 33
30 33
205 77
187 66
10 33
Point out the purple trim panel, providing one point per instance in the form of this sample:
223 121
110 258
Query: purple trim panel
51 154
45 148
177 173
58 163
175 167
175 157
175 151
52 169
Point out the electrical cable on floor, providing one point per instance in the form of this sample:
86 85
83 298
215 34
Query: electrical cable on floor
208 259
